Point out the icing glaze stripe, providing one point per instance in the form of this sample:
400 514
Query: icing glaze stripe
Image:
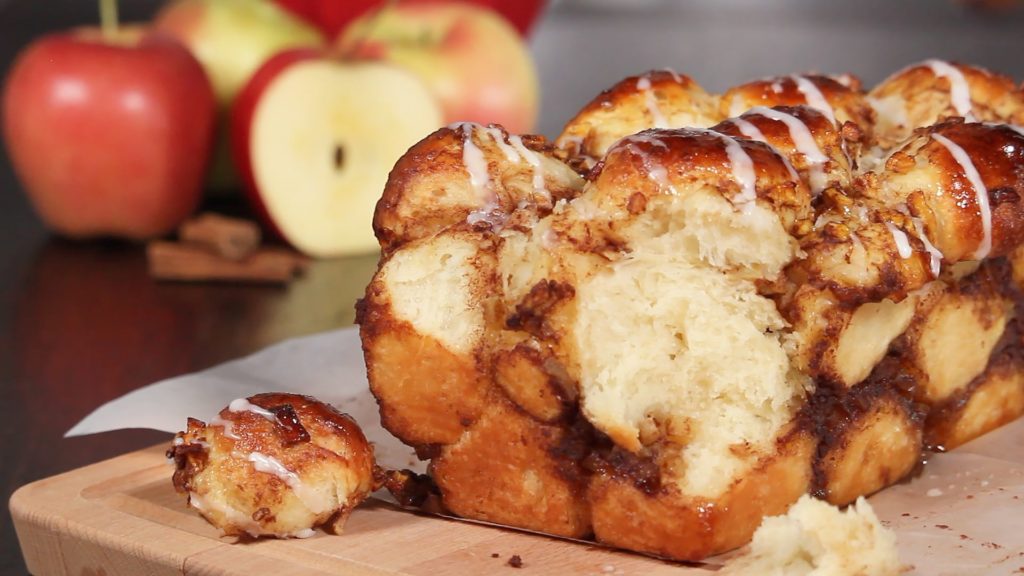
959 90
814 97
644 85
902 242
980 193
742 168
748 129
805 143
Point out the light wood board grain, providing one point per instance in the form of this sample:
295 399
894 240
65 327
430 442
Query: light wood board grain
123 517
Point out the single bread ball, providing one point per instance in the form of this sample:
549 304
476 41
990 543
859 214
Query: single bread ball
274 465
656 99
927 92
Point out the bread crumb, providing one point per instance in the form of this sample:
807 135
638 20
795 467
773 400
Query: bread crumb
515 561
817 539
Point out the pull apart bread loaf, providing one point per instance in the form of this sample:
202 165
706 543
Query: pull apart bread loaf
691 309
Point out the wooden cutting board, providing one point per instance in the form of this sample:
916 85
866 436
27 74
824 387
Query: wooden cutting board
122 516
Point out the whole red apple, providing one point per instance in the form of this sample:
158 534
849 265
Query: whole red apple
109 138
470 57
314 138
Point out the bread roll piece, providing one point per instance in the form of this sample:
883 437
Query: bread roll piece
274 465
963 182
709 324
925 93
656 99
816 539
839 99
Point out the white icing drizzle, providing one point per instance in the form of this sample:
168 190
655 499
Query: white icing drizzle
814 97
674 74
499 139
959 89
902 242
748 129
857 242
243 405
655 170
304 533
805 143
738 105
227 425
575 142
473 159
742 169
533 160
844 79
479 177
934 254
980 193
270 465
644 85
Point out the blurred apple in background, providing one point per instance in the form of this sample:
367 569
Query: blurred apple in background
232 39
470 58
331 16
315 138
110 134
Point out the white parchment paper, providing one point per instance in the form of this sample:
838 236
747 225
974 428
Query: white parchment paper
327 366
963 515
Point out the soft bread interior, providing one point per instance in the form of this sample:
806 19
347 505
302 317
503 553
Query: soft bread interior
676 345
815 538
433 285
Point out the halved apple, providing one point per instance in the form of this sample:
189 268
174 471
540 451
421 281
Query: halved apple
314 139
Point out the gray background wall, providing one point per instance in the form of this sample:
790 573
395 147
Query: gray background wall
584 46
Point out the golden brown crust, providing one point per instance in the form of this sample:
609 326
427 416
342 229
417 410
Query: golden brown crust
428 393
924 94
691 159
994 398
669 524
431 189
534 381
656 99
844 102
938 186
873 439
502 470
821 162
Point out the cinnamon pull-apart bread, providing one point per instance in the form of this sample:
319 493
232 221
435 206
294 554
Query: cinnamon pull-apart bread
691 309
274 465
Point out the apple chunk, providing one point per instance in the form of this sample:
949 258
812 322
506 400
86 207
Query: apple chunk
322 137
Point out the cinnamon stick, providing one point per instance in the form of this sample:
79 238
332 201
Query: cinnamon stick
193 263
232 238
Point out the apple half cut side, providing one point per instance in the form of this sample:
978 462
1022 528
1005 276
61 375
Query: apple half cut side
314 140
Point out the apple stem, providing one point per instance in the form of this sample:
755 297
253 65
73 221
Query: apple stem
108 18
368 29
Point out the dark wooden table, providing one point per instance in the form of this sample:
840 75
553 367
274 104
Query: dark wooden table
82 323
